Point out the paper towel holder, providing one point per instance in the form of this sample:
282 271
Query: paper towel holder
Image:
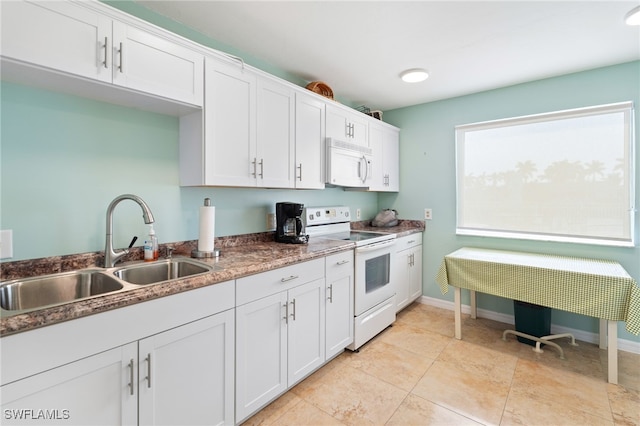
198 254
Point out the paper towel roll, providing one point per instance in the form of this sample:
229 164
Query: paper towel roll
207 228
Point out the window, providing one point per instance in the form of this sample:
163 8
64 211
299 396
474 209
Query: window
561 176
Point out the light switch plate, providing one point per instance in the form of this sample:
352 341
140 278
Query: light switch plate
6 244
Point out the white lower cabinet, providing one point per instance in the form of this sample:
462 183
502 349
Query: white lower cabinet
92 391
339 302
280 336
181 376
408 270
185 375
165 361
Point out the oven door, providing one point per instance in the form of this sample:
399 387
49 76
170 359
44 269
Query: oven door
373 284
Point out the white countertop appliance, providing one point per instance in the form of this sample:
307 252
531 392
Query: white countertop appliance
374 289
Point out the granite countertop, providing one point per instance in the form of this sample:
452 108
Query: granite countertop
240 256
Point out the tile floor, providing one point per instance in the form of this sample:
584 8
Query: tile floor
416 373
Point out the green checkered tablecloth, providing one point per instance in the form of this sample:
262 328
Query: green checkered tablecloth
597 288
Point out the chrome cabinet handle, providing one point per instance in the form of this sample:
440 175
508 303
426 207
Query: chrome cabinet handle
255 167
330 298
105 62
293 315
120 68
300 175
262 168
131 382
342 262
289 278
148 378
286 313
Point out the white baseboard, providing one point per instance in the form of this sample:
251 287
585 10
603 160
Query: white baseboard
585 336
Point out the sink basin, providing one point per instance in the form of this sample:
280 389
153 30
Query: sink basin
36 292
162 270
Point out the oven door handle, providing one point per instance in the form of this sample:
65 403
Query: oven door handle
376 246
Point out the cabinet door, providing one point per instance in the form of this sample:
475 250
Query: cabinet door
186 374
415 274
98 390
339 303
59 35
336 124
275 133
359 128
261 353
310 142
391 159
401 275
378 180
306 326
230 130
154 65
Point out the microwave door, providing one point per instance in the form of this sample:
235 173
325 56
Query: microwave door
346 168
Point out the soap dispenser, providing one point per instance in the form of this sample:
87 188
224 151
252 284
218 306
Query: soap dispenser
151 251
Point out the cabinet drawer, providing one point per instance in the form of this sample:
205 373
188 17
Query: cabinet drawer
261 285
339 265
408 241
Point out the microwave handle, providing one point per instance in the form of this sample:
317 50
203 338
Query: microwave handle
367 169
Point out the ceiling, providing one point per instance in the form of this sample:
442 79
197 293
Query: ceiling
359 48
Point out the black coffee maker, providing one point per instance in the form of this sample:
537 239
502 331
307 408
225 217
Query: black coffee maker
289 228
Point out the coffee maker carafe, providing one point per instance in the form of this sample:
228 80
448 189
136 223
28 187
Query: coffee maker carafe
289 227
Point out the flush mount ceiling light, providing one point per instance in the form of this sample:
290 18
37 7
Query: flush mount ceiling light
633 17
414 75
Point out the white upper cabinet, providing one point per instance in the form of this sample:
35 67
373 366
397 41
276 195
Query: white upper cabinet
58 35
385 143
274 160
310 137
151 64
79 41
229 127
347 125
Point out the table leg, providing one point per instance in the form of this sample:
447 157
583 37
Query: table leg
612 351
603 333
474 307
457 301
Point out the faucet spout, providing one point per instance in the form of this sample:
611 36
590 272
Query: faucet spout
110 255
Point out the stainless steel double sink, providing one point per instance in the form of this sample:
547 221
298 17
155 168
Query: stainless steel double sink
29 294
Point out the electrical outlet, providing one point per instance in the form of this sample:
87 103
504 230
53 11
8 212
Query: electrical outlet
271 221
358 214
428 214
6 244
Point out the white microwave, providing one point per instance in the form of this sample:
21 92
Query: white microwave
348 164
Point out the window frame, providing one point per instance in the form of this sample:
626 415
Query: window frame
629 145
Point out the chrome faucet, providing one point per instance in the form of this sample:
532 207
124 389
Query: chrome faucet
110 255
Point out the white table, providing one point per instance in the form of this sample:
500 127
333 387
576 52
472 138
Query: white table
597 288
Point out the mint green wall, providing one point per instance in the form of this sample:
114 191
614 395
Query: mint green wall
64 158
427 158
